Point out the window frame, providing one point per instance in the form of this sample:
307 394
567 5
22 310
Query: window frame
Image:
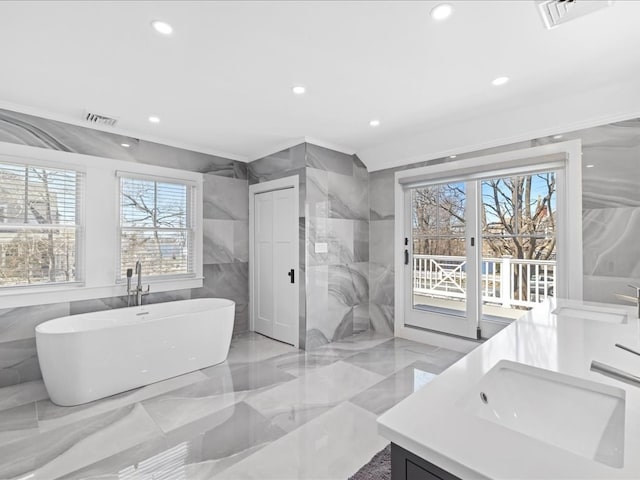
463 323
80 172
99 227
192 223
509 162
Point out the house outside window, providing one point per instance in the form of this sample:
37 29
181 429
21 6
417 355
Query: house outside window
39 225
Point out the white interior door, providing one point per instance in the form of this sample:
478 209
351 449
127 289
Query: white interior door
275 274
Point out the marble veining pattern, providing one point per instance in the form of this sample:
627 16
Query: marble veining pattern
17 423
286 163
348 197
344 428
610 239
610 200
400 384
322 158
34 131
269 411
381 280
51 454
278 165
381 196
317 204
19 323
225 198
27 392
226 229
360 241
226 280
382 318
18 358
334 206
18 362
52 416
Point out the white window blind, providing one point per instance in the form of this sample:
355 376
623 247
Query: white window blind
39 225
156 226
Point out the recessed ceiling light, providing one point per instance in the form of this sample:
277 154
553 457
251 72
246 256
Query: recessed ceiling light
557 137
499 81
374 123
162 27
298 89
125 145
441 12
154 119
452 156
590 166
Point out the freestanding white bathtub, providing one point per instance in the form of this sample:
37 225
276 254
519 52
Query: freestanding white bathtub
94 355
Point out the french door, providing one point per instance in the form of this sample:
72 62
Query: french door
479 250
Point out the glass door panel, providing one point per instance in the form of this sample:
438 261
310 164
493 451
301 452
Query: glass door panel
518 224
439 275
438 263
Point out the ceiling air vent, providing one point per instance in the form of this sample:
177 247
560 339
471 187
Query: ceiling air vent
555 12
99 119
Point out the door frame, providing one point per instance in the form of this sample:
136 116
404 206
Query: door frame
264 187
569 218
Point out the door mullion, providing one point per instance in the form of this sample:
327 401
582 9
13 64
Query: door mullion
474 255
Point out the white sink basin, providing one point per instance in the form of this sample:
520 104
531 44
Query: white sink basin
586 312
583 417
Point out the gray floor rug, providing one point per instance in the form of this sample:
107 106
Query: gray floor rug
378 468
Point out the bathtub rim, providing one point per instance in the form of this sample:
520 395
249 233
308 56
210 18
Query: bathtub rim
40 329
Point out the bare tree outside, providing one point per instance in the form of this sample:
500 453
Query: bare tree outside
37 225
155 228
518 222
438 219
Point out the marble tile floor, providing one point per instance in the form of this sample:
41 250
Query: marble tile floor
269 411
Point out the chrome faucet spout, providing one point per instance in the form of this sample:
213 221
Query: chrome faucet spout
139 292
615 373
139 273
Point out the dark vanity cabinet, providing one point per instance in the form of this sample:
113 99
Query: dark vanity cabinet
407 466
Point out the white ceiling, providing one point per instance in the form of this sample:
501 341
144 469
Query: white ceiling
222 82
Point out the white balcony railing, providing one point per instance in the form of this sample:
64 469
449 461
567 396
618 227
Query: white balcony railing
506 281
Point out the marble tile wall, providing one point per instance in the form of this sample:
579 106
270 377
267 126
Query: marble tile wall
226 232
286 163
381 268
610 216
611 210
334 206
337 215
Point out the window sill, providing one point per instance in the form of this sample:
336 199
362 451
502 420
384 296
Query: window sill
71 293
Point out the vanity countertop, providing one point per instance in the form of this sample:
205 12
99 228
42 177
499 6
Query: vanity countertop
433 424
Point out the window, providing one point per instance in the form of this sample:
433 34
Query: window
156 226
71 224
39 218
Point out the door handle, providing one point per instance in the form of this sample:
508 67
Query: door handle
406 257
292 275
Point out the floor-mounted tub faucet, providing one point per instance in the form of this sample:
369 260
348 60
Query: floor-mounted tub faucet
637 296
139 291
